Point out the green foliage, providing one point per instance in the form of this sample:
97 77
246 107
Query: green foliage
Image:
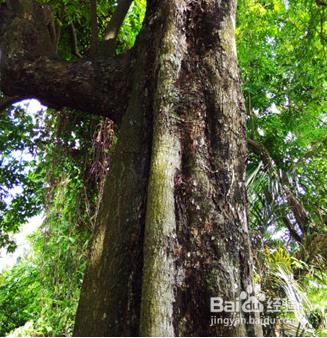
303 286
74 156
74 161
283 66
26 150
282 55
132 25
60 249
20 178
19 288
77 13
44 288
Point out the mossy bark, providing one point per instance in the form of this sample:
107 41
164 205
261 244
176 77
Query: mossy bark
198 247
190 235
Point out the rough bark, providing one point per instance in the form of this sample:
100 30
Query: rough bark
100 86
195 239
172 228
198 248
111 293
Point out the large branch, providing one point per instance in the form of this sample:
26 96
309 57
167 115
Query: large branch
30 68
99 87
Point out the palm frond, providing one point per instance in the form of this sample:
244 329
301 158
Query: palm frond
298 302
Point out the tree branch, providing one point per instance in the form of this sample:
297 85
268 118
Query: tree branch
299 212
296 207
262 152
117 19
75 49
99 87
292 230
30 68
94 27
58 35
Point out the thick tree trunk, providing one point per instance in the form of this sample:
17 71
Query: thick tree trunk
172 228
164 246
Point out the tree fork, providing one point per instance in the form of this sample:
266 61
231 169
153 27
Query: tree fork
30 68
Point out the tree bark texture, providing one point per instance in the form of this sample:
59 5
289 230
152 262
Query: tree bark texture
172 226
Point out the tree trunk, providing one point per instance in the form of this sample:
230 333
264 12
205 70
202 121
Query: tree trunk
166 244
172 227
